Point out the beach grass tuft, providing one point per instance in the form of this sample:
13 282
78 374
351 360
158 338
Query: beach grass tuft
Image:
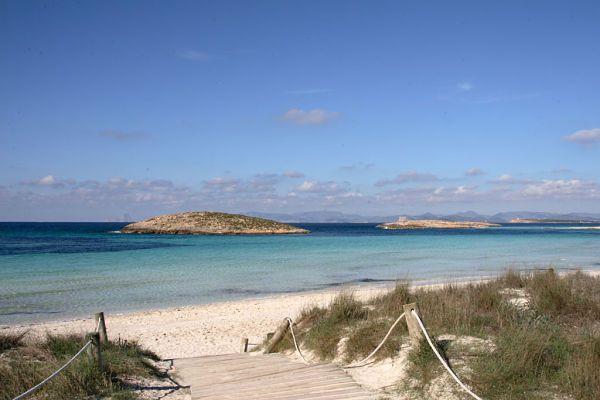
27 361
540 330
11 340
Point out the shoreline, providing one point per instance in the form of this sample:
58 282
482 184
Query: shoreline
216 328
354 286
212 328
359 285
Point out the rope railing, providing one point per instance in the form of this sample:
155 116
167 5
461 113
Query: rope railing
63 367
54 374
291 322
363 362
444 363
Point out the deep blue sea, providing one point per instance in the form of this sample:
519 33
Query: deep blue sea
51 271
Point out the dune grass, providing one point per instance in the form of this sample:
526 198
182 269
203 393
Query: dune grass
24 362
547 348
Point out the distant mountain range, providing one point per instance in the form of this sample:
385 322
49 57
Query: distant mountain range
503 217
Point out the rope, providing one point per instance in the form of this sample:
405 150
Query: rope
362 362
289 320
444 363
48 379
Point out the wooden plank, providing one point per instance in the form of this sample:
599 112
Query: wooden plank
265 377
252 371
247 394
340 394
236 367
289 384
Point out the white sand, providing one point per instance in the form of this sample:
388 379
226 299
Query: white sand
204 329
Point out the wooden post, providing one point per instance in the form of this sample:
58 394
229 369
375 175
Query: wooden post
279 334
95 350
99 319
90 349
414 331
244 348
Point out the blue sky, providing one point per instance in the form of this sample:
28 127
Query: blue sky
145 107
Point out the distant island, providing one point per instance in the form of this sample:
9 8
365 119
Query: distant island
329 216
405 223
549 221
211 223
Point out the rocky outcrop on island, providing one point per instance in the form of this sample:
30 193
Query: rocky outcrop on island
211 223
405 223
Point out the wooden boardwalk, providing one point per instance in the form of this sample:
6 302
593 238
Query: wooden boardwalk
265 376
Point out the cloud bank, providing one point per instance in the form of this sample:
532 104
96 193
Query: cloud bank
50 197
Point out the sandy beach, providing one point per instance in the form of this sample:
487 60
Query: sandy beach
206 329
215 328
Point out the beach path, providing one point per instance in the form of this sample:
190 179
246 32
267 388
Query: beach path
265 376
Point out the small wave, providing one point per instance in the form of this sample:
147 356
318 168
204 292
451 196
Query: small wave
358 281
233 291
114 232
10 313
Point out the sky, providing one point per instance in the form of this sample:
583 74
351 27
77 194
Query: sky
112 110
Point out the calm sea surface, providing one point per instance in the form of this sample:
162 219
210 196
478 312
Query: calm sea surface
59 270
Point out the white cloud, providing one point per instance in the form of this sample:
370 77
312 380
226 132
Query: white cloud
507 179
194 55
329 187
474 172
49 181
309 117
406 177
561 188
584 137
221 184
464 86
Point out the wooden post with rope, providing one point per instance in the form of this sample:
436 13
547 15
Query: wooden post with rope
279 334
95 350
414 331
101 324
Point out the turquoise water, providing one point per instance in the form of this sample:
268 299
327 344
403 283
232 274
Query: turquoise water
57 271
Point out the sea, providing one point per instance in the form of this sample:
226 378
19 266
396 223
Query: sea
57 271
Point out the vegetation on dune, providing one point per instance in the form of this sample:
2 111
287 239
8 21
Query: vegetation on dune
25 361
541 333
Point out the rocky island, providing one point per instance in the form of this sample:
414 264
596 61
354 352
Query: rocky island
405 223
211 223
